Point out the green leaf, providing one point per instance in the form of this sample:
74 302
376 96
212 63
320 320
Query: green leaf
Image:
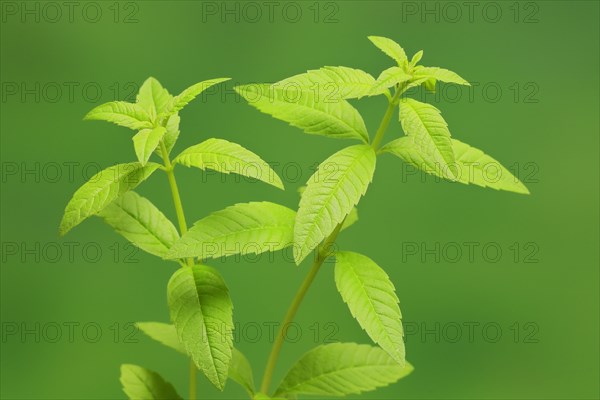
240 371
413 151
429 84
341 369
101 190
122 113
240 229
139 221
439 74
332 82
146 141
225 157
351 218
305 110
391 48
482 170
331 193
189 94
162 333
372 300
416 58
202 313
416 81
389 78
473 165
153 97
142 384
425 123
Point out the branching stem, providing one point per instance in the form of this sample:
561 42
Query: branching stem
387 117
322 254
182 230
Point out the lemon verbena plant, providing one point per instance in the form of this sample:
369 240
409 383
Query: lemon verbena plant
199 302
317 103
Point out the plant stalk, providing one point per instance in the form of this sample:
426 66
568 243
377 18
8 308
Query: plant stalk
182 230
193 379
175 193
387 117
322 254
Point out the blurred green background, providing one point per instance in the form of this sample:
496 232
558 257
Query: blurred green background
519 324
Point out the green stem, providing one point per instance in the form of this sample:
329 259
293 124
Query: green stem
322 254
174 190
182 230
175 193
386 118
193 380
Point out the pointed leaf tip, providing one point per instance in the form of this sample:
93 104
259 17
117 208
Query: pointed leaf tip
141 383
329 198
340 369
228 157
371 297
202 312
101 190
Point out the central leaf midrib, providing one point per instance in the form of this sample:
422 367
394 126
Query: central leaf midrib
291 388
202 153
379 320
167 245
270 228
332 116
201 313
429 135
331 194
